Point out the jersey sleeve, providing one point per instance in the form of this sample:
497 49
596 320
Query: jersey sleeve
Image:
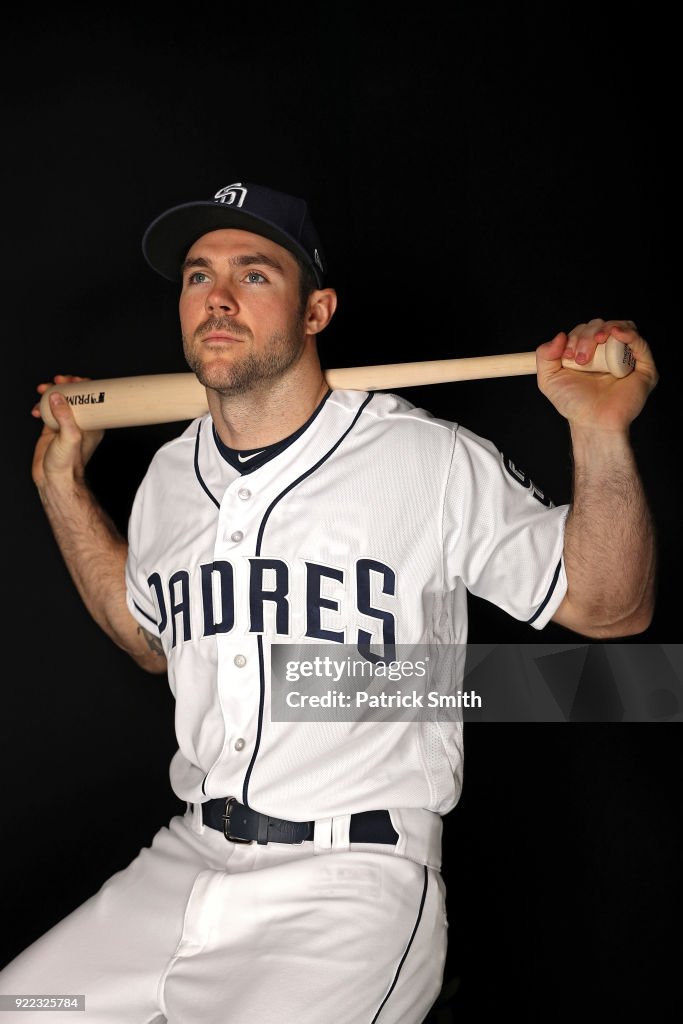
139 596
502 537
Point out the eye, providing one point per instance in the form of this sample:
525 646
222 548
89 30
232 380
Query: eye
255 277
197 277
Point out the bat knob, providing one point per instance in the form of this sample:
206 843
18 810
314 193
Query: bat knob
613 356
619 358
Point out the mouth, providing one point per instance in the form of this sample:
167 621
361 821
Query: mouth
220 338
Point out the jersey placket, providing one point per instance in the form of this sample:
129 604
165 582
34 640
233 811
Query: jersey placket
239 676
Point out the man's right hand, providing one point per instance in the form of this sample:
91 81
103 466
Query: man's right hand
64 452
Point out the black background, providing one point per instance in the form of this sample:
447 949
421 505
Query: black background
483 175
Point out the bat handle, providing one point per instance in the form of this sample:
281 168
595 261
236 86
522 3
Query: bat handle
611 357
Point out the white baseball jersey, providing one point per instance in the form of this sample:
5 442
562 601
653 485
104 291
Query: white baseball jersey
370 527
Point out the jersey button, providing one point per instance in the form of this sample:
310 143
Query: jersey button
239 744
244 493
240 660
237 536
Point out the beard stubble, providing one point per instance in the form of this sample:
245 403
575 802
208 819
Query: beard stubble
252 371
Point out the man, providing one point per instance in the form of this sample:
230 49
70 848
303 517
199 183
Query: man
303 883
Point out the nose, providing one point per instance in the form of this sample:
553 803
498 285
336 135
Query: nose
221 298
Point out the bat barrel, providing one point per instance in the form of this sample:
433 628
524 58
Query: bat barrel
130 401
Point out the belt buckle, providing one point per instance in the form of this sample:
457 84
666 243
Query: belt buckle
226 823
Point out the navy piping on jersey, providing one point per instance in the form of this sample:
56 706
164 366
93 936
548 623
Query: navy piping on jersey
407 949
197 470
289 440
259 541
143 612
271 450
548 595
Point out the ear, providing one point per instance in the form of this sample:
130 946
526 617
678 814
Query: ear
320 309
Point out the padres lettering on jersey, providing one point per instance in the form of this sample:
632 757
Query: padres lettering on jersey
215 589
369 528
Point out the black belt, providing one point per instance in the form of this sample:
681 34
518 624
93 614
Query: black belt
239 824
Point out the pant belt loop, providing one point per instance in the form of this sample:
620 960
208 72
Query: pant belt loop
420 835
322 835
197 821
340 832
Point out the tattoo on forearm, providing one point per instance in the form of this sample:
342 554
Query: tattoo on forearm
153 642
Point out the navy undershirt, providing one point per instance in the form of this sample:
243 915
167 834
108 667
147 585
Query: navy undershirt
247 460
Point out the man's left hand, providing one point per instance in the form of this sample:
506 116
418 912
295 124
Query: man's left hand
596 400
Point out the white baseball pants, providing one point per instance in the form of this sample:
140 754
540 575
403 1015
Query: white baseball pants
198 930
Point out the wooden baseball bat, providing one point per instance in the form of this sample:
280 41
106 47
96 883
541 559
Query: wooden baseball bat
169 397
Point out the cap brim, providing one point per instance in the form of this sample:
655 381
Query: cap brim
167 240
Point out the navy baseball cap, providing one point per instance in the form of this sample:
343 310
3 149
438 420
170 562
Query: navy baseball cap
282 218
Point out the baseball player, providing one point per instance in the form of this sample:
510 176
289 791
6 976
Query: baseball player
303 882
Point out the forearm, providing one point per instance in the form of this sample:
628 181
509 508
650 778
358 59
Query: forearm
609 549
95 555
